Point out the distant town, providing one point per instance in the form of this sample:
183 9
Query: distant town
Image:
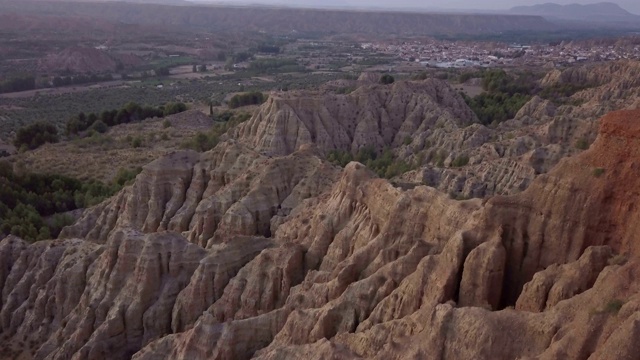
450 54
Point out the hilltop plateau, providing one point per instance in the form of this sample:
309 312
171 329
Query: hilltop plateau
86 60
100 156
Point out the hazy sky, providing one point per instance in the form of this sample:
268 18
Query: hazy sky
630 5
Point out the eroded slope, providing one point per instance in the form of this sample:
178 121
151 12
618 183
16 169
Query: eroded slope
234 254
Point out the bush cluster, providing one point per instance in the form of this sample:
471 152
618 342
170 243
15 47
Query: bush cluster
35 135
503 96
250 98
79 79
131 112
387 79
496 107
385 164
206 141
18 83
32 205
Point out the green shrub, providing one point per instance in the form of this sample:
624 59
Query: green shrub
439 156
99 127
597 172
222 116
387 79
496 107
346 90
130 112
37 134
137 142
460 161
126 176
174 108
250 98
166 123
27 199
613 306
203 142
619 259
457 196
207 141
504 94
582 144
385 165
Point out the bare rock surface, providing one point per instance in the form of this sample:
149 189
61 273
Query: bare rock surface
373 115
229 190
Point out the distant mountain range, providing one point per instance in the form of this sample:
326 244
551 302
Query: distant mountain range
283 20
604 12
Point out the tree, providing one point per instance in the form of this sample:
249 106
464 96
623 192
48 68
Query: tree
163 71
137 142
250 98
386 79
91 118
174 108
73 126
99 127
122 117
35 135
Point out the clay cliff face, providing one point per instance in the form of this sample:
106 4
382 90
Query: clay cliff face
207 197
428 125
504 160
374 115
261 249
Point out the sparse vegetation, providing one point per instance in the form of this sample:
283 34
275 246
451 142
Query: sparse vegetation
496 107
269 66
126 176
387 79
439 157
207 141
131 112
619 259
457 196
504 94
460 161
385 165
582 144
58 108
250 98
34 135
597 172
18 83
561 92
79 79
27 199
613 306
346 90
99 127
137 142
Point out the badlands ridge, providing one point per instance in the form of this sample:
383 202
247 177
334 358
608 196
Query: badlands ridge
260 248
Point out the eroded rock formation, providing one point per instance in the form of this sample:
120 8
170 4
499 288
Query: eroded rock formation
262 249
